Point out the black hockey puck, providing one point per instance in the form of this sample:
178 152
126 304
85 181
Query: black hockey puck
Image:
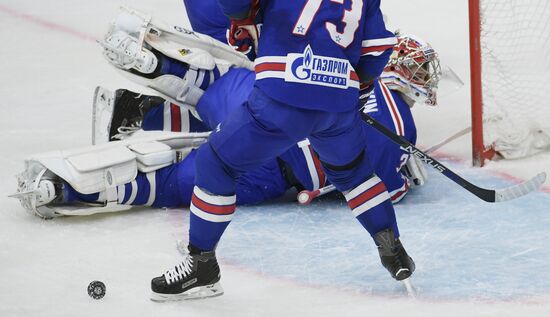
96 290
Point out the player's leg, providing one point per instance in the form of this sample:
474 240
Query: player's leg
227 93
168 187
168 116
118 114
250 136
178 72
121 49
341 147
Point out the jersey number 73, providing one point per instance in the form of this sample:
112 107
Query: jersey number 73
350 18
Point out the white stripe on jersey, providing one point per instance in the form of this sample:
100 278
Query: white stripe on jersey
379 42
270 74
311 166
393 110
270 59
373 53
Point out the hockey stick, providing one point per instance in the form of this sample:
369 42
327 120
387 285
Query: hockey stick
488 195
447 140
306 196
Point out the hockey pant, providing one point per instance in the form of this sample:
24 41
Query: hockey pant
263 129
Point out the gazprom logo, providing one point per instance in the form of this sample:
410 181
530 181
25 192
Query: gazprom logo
308 68
301 65
308 56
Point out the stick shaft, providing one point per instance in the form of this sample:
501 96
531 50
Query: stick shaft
488 195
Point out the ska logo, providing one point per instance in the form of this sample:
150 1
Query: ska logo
308 68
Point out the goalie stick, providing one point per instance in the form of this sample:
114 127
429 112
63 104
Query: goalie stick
447 140
488 195
307 196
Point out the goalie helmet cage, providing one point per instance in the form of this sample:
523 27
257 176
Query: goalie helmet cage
510 77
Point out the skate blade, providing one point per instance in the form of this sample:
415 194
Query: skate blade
211 290
102 114
411 291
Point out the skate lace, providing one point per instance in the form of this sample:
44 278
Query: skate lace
180 271
124 132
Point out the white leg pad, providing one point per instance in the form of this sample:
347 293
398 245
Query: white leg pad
102 169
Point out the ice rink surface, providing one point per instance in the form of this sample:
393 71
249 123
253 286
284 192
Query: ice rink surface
278 259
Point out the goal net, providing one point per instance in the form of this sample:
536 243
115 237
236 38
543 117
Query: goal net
510 65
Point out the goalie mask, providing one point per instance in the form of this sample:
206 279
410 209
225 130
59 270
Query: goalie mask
414 70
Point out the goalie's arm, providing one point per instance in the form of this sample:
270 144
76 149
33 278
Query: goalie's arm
236 9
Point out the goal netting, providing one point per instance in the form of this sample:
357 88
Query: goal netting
514 45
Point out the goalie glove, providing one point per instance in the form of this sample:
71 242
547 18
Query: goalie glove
415 171
243 34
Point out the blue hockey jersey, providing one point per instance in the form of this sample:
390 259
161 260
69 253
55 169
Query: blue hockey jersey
313 54
390 109
206 17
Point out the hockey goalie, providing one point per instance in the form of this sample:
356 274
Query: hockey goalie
125 175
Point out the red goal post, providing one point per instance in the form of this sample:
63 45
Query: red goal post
510 78
479 152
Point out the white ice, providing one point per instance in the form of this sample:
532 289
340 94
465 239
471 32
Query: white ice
278 259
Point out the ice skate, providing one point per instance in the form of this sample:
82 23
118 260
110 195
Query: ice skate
37 193
118 114
197 276
393 255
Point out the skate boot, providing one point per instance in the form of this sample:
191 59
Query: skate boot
118 114
36 192
197 276
393 255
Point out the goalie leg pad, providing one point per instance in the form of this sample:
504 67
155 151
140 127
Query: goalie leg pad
99 169
129 42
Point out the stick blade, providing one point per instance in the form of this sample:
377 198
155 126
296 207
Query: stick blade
520 190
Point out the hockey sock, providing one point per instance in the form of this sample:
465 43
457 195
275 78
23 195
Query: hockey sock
210 215
371 204
171 117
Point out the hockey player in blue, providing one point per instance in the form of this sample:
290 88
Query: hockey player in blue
211 112
298 167
206 17
312 57
388 101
